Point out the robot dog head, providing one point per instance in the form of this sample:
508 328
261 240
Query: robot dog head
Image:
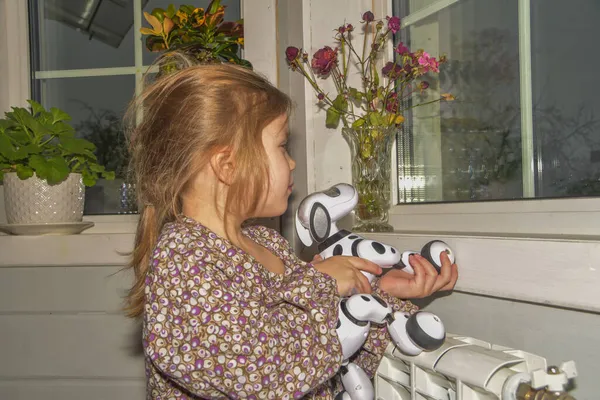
319 212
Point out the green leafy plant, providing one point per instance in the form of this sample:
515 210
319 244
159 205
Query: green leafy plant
41 142
199 32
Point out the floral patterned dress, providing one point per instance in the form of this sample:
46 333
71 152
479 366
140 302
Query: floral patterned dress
219 325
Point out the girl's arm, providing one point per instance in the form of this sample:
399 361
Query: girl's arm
208 333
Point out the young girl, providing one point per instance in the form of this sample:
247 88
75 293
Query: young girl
228 311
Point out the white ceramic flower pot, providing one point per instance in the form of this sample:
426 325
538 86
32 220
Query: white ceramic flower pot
33 201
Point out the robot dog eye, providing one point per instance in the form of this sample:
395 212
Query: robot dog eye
338 250
378 247
379 300
375 252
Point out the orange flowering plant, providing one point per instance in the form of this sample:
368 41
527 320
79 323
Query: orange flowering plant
200 32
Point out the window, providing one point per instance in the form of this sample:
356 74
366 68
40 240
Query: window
526 122
88 58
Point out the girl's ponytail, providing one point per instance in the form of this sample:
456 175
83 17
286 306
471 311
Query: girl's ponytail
145 240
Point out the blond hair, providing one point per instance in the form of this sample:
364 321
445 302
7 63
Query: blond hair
186 117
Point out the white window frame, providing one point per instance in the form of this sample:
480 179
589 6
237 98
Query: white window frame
260 49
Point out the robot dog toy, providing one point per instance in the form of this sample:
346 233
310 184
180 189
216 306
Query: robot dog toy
316 221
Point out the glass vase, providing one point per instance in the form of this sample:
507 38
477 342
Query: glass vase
370 149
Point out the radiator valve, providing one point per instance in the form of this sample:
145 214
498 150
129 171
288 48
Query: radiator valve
548 385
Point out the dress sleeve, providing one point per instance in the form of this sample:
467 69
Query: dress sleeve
370 355
209 336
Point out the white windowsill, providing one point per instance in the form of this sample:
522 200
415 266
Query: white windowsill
560 218
557 272
112 224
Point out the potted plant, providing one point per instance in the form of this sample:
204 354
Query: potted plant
199 33
371 112
44 166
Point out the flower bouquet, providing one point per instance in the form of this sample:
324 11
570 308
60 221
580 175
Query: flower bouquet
371 112
196 32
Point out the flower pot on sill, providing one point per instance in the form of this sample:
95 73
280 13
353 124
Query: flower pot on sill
34 201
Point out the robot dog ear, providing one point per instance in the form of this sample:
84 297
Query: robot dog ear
313 222
319 225
303 233
320 222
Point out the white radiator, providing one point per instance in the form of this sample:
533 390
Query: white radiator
469 369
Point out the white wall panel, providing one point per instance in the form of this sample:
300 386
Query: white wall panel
66 289
72 389
70 346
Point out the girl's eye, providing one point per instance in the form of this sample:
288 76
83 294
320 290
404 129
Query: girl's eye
284 146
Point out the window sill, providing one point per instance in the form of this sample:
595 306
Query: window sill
547 218
111 224
558 272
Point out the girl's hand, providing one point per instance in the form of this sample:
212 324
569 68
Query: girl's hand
347 273
425 280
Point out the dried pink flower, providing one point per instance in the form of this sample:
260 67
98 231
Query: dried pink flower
368 16
324 60
394 24
291 53
391 103
391 70
430 63
402 49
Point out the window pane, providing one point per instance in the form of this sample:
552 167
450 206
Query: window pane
232 13
96 106
75 34
566 103
471 149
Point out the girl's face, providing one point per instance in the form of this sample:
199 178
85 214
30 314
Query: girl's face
281 165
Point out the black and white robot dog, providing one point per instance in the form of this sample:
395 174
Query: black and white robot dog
316 222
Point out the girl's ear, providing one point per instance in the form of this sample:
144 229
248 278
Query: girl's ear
222 165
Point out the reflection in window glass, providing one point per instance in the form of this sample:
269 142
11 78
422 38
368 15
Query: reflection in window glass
74 34
472 149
